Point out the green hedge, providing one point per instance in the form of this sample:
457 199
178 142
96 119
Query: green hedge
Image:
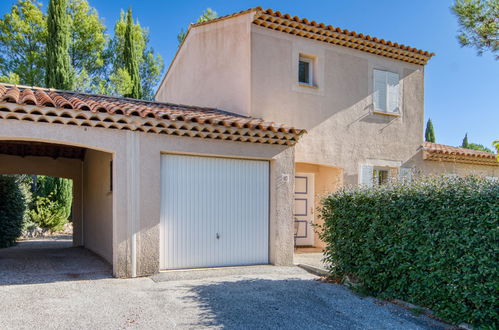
433 243
12 209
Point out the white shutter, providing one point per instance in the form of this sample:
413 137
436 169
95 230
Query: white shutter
379 90
405 174
392 82
366 175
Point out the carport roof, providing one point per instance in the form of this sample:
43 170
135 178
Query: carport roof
73 108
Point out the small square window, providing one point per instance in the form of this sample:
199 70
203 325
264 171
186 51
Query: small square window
305 70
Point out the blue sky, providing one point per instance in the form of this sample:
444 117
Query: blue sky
461 88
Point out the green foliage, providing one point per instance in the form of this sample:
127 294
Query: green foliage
479 147
207 15
48 214
12 207
479 24
150 64
11 78
23 32
88 41
96 63
429 132
59 73
496 144
58 190
432 242
132 58
465 143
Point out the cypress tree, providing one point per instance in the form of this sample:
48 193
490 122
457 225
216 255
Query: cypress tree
131 58
58 73
429 132
465 143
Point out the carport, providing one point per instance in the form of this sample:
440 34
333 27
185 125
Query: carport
91 173
159 182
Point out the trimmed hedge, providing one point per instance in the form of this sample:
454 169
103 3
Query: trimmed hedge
433 243
12 209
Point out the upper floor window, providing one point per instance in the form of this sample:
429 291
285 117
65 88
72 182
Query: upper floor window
386 91
306 70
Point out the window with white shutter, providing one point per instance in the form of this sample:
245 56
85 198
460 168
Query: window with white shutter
385 91
366 175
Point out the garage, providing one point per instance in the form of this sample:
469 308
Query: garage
159 185
214 212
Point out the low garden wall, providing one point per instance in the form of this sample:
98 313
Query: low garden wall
433 243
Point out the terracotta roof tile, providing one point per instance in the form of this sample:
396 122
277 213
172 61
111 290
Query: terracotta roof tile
137 114
444 152
286 23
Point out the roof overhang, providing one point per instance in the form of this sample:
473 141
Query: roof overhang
69 108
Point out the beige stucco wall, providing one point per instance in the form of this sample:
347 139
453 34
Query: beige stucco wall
136 184
98 204
342 130
212 68
60 167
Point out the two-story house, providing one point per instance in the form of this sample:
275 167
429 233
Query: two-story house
360 98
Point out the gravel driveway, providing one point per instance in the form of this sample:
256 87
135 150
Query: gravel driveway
70 288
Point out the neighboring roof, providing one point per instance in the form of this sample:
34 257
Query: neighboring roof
72 108
434 151
294 25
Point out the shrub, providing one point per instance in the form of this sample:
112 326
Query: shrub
48 214
433 243
11 210
59 190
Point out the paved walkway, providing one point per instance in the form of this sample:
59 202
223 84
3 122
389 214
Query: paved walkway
311 259
70 288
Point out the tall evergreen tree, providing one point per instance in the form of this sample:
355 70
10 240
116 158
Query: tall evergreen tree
465 143
132 58
58 70
429 132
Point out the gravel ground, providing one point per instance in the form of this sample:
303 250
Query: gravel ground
70 288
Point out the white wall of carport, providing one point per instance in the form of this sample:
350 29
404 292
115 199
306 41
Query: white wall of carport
98 204
136 198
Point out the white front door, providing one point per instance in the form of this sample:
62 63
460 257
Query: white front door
214 212
304 209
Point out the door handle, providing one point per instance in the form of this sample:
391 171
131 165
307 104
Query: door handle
218 236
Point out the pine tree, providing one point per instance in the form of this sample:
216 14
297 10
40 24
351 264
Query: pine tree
59 72
429 132
465 143
132 58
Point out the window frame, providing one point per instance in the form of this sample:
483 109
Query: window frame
387 102
311 67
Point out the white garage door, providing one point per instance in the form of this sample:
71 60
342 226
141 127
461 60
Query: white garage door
214 212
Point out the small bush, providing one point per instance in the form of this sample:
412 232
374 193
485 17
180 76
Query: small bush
48 214
12 208
433 243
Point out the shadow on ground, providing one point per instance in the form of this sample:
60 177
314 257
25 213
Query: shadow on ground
298 304
49 260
